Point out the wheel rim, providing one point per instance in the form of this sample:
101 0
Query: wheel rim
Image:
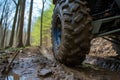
57 34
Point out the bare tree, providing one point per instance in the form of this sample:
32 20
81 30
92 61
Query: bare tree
5 26
20 35
43 2
1 20
14 24
29 24
3 38
18 21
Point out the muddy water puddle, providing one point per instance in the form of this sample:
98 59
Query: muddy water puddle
15 77
84 72
90 72
28 65
18 77
25 68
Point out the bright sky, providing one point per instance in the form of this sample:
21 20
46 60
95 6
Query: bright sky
37 6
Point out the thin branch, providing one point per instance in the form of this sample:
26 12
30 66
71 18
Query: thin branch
15 2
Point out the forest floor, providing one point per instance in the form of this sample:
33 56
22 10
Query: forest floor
34 63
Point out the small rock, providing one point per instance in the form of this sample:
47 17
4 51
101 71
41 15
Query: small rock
36 60
44 72
17 62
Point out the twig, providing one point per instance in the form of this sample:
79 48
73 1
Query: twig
15 2
6 69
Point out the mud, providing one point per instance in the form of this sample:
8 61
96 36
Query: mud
38 64
102 48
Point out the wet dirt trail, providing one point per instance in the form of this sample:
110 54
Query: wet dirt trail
38 64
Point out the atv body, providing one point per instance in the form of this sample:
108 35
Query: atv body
76 22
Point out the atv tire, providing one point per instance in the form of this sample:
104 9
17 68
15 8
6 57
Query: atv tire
73 19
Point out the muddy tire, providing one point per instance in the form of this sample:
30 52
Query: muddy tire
71 31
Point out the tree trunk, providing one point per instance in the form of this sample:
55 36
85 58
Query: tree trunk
1 20
43 1
20 35
3 38
18 22
29 24
17 26
13 26
1 33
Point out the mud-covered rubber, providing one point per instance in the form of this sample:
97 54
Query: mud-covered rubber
76 31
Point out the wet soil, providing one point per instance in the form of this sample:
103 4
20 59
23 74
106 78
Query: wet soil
38 64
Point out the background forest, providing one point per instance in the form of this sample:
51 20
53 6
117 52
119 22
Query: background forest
25 23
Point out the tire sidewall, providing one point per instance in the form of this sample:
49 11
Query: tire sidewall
57 13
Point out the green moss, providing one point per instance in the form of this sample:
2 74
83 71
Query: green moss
85 65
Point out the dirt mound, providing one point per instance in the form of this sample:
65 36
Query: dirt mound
102 48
